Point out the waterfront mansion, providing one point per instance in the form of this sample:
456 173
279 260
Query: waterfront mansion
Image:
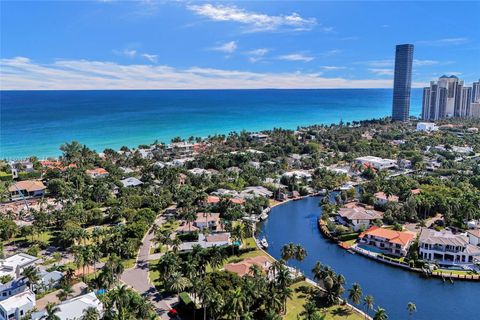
388 241
447 248
357 216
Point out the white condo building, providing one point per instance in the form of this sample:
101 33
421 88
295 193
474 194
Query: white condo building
448 97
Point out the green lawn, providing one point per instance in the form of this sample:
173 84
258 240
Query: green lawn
295 307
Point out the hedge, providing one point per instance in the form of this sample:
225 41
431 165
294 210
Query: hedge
5 176
348 236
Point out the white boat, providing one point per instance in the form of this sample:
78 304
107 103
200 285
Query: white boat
264 243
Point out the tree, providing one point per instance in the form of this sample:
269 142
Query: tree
411 308
380 314
90 314
31 273
51 312
355 294
65 292
368 303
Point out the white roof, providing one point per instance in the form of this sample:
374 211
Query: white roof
74 308
373 159
10 264
131 182
18 300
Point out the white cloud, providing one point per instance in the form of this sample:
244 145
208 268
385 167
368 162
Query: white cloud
23 73
382 72
257 54
296 57
126 53
331 53
151 57
443 42
332 68
253 20
228 47
420 63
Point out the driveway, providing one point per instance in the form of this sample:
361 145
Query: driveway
137 277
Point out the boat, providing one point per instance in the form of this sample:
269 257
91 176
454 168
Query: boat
264 243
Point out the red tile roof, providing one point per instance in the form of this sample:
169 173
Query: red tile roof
397 237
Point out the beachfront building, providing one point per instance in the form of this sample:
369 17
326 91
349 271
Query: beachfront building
382 199
376 162
14 265
388 241
73 308
447 248
357 216
26 189
402 82
17 306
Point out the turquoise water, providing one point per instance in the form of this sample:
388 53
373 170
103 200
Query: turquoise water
392 288
38 122
369 248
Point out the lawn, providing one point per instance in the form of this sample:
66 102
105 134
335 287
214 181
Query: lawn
295 307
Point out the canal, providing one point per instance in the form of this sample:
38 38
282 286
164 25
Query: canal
392 288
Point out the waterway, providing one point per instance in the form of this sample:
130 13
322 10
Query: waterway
392 288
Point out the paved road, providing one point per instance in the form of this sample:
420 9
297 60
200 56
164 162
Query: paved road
137 277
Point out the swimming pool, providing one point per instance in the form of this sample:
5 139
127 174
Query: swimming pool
369 248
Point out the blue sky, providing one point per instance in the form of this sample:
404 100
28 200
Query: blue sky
245 44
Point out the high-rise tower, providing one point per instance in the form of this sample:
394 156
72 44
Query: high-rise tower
402 82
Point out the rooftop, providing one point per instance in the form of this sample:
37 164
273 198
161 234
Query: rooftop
74 308
356 212
18 300
398 237
29 185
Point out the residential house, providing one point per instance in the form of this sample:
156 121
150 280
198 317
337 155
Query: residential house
426 126
13 266
447 248
26 189
97 173
381 198
207 241
207 220
131 182
242 268
376 162
48 280
12 288
387 240
474 237
257 191
73 308
357 216
17 306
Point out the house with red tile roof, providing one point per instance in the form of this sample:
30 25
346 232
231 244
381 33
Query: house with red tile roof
382 199
97 173
388 241
242 268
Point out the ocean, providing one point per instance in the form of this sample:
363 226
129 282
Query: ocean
38 122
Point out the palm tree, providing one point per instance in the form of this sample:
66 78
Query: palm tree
236 303
309 311
51 311
288 251
120 297
66 291
380 314
31 273
90 314
368 303
412 308
355 294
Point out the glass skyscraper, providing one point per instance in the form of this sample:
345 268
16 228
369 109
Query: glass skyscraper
402 82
